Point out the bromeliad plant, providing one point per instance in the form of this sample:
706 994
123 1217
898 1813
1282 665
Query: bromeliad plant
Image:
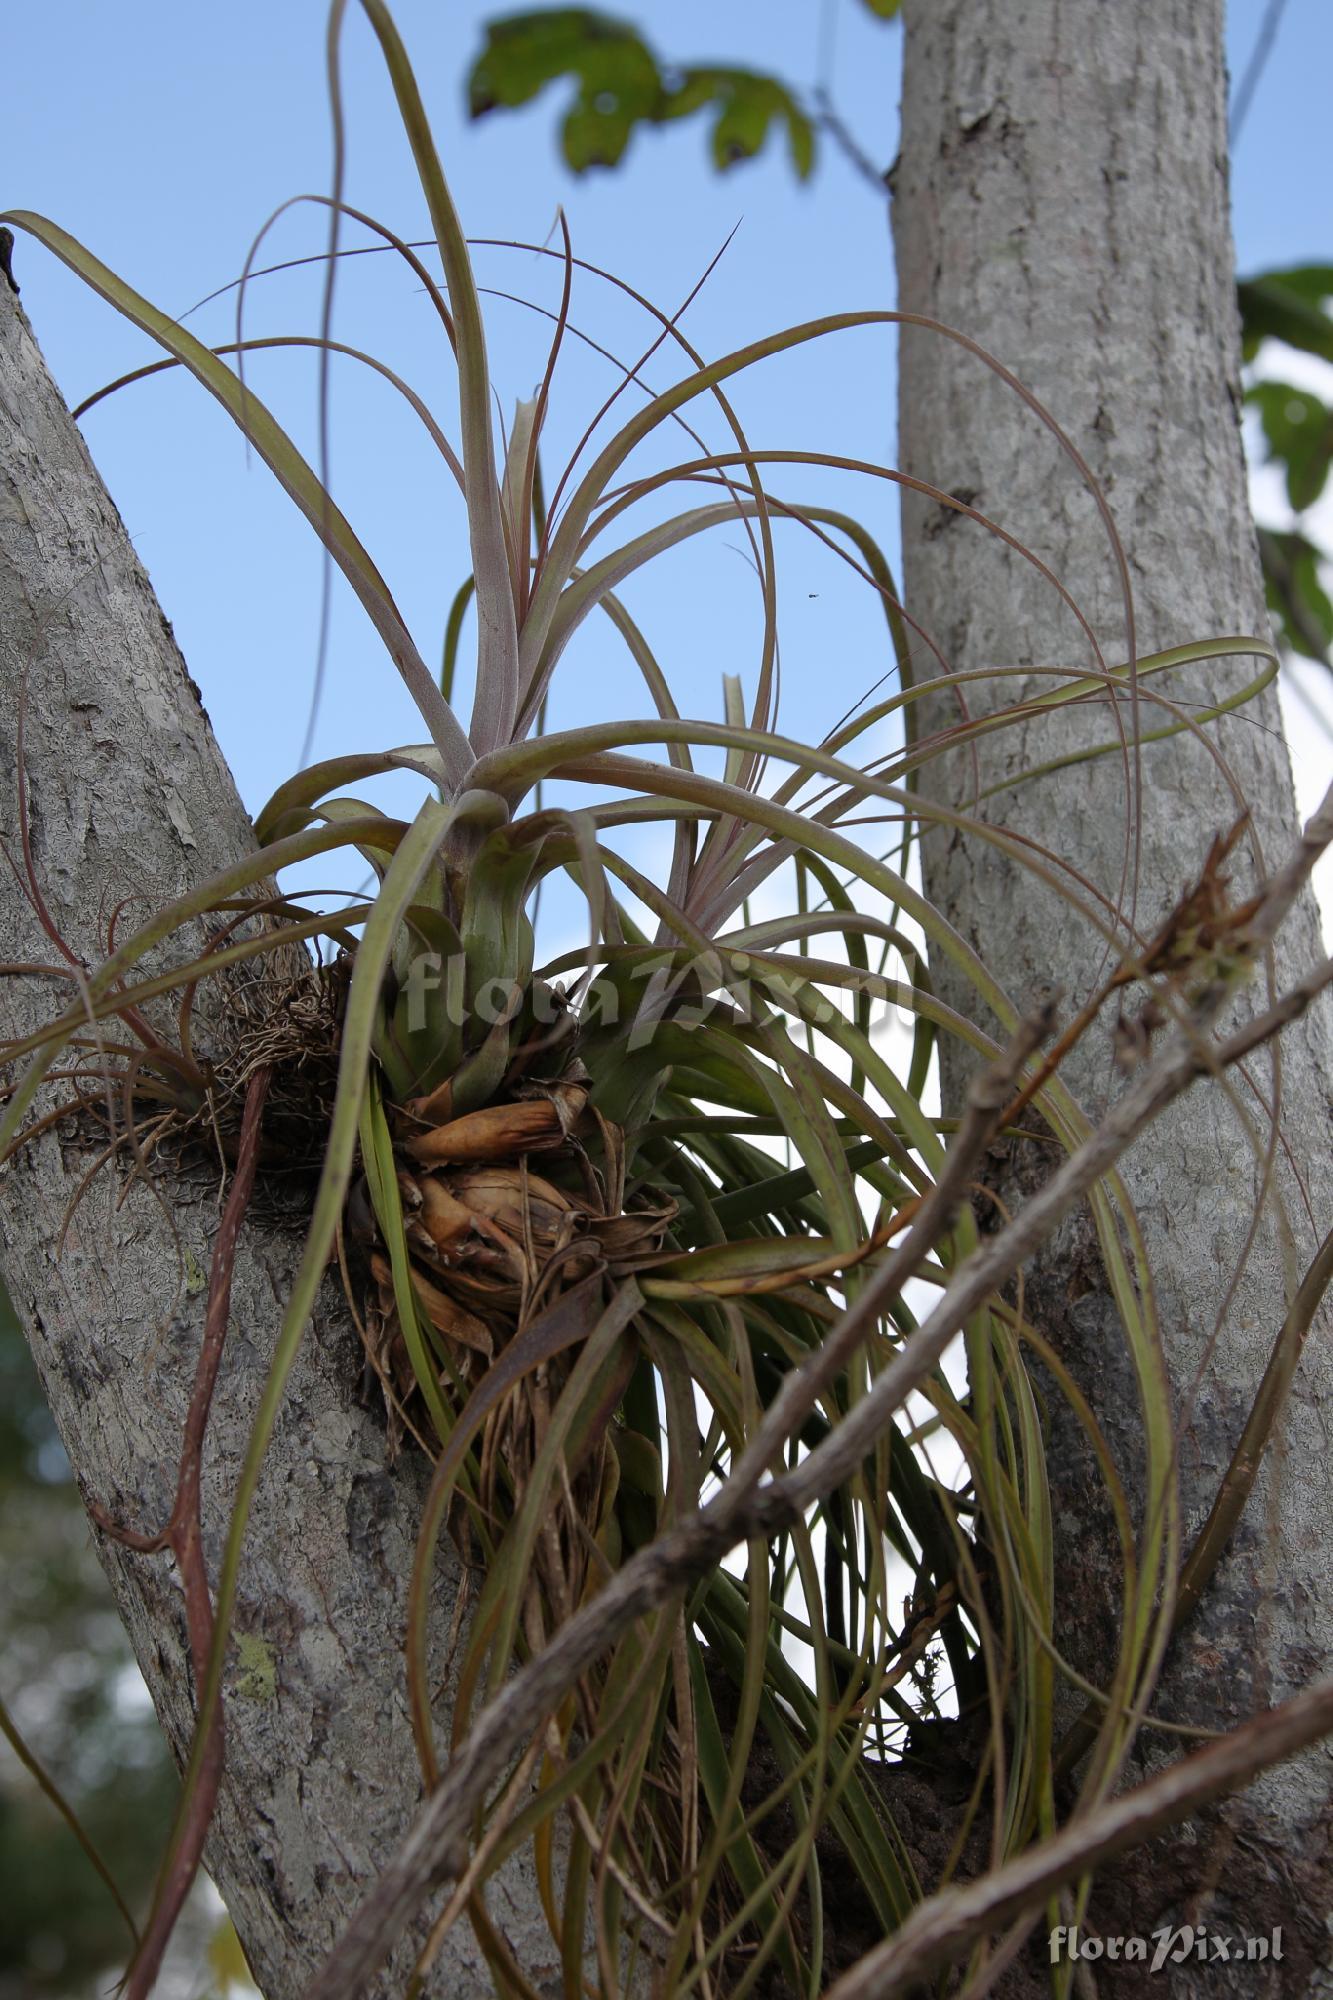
601 1241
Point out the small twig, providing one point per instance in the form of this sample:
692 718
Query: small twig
183 1535
47 1786
831 121
1254 68
1295 1001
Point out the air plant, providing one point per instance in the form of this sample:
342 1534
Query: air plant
600 1217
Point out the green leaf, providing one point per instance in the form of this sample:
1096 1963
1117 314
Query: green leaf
1296 596
525 52
1311 282
620 84
1287 306
617 77
883 10
1298 430
596 134
747 104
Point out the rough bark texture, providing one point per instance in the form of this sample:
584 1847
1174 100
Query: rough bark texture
1061 196
130 798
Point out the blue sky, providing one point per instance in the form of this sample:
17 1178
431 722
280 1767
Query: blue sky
164 134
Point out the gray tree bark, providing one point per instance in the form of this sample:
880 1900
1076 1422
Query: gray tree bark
1062 197
130 798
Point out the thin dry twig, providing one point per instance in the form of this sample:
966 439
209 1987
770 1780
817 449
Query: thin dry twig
183 1535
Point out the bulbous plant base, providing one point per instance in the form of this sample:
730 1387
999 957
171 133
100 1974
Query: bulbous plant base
507 1211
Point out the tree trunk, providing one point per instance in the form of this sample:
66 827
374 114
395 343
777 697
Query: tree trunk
129 798
1062 197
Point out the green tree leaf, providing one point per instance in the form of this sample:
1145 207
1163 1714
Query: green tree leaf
1298 430
620 84
1296 596
525 52
746 104
1288 306
1291 306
